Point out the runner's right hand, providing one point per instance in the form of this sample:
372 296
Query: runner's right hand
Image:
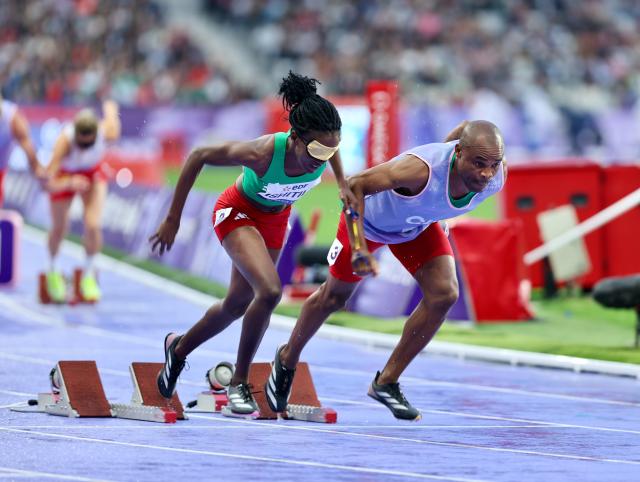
165 236
363 263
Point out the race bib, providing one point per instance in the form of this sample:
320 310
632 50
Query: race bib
221 215
334 252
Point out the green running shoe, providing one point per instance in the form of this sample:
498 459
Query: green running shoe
56 287
89 289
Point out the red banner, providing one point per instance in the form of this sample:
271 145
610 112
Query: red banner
384 134
490 255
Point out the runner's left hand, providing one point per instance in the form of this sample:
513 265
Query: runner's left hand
164 236
350 202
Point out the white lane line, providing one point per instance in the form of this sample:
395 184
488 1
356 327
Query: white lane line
42 317
49 320
487 417
51 363
13 405
346 468
147 426
432 442
17 394
264 425
484 388
28 359
11 472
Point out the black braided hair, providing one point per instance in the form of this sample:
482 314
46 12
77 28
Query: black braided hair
307 110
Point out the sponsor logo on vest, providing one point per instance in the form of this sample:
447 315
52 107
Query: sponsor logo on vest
418 223
416 220
286 193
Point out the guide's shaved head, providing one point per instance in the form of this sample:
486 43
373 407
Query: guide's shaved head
481 133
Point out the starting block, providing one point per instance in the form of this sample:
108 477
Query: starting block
74 295
304 404
81 391
147 397
43 293
77 391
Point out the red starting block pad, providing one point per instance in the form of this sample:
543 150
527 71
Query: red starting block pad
43 293
81 391
74 295
145 390
303 404
78 392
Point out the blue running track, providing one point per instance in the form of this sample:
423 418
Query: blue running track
481 421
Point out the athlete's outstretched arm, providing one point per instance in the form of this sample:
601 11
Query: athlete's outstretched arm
347 197
111 121
225 154
20 131
61 148
55 183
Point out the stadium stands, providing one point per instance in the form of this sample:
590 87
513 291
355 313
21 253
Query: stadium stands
81 51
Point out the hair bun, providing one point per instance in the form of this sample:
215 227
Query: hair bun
295 88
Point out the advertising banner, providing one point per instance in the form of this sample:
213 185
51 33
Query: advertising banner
384 133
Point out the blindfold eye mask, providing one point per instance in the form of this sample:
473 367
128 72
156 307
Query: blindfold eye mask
320 151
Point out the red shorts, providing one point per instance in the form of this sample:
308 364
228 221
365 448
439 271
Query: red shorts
233 210
413 254
94 174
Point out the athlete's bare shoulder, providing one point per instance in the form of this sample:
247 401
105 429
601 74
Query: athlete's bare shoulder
260 152
265 146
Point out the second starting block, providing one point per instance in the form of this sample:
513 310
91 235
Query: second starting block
303 405
77 391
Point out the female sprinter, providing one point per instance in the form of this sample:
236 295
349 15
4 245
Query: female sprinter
250 220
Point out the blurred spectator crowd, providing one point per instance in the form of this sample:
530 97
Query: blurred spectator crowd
561 65
560 60
580 54
74 51
446 49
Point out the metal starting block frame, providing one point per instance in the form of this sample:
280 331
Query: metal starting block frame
37 405
304 404
81 394
208 402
